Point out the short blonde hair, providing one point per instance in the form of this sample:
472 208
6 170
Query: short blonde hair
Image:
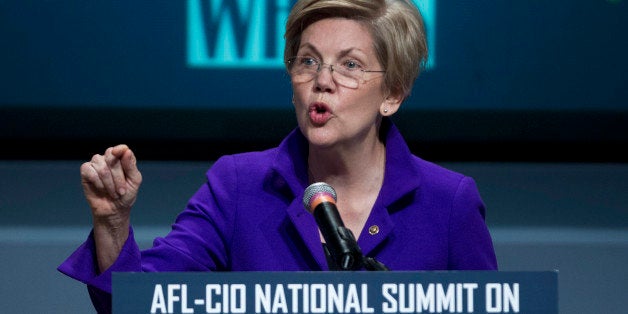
396 26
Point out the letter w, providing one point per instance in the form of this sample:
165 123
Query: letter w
226 17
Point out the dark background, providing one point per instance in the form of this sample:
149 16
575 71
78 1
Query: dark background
511 81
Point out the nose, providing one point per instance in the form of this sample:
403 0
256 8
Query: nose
324 80
322 66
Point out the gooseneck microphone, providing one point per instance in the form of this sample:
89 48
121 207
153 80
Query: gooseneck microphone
320 200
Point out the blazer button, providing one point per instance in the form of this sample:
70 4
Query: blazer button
374 229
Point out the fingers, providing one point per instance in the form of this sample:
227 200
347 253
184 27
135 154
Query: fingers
90 175
129 166
114 165
109 172
104 179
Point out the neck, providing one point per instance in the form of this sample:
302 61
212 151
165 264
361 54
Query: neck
348 166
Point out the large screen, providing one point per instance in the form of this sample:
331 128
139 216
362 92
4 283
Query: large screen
529 80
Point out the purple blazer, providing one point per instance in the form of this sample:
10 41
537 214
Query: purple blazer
249 216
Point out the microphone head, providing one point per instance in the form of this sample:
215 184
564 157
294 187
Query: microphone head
316 193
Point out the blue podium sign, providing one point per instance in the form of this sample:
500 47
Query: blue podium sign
336 292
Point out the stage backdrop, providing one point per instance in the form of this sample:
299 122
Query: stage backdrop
550 73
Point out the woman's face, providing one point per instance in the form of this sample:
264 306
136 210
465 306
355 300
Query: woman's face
329 113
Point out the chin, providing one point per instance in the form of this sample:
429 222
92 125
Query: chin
319 137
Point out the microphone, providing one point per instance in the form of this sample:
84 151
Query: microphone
320 200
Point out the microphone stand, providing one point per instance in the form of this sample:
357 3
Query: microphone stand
369 263
349 256
373 265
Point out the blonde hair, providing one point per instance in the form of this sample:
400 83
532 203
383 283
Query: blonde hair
396 26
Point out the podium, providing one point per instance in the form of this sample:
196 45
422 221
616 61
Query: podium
336 292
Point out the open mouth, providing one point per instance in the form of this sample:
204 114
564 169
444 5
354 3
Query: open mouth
319 113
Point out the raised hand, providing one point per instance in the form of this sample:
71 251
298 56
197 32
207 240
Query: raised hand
110 183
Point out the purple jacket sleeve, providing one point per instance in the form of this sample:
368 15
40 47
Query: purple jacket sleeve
83 266
468 218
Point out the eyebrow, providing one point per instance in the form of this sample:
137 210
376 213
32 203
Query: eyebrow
341 54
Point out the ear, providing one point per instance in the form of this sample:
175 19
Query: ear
390 105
